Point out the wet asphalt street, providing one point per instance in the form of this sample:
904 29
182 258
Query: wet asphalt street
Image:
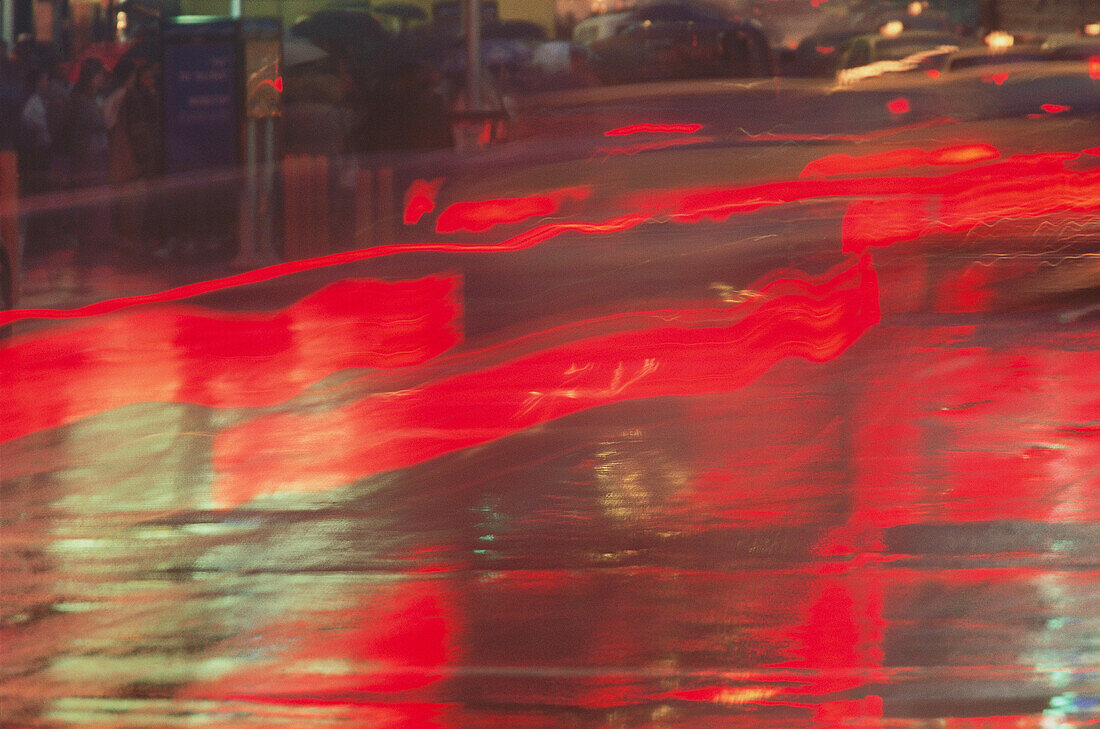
680 440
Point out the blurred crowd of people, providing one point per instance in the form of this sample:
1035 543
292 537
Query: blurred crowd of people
76 130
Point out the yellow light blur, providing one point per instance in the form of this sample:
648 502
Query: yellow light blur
998 40
892 29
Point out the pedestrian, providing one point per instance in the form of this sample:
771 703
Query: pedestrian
35 145
135 156
11 96
122 169
36 141
85 141
85 127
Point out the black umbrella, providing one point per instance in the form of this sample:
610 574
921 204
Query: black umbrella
402 11
342 28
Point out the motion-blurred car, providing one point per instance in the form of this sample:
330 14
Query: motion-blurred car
915 15
999 50
1084 45
874 54
818 55
663 41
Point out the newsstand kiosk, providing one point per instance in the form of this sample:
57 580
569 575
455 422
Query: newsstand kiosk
222 100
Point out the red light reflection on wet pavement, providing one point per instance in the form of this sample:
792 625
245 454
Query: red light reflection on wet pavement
802 506
816 321
186 354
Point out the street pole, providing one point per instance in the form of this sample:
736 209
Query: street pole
7 21
235 8
473 55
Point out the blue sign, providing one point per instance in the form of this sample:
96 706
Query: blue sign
202 94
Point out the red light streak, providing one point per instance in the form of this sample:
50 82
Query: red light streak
845 164
420 199
689 205
396 430
825 50
879 223
1022 186
527 239
1094 67
996 78
932 73
652 146
193 355
1054 108
868 137
653 129
481 215
899 105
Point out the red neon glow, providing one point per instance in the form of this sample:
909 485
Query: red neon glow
396 430
1054 108
193 355
420 199
899 105
653 129
846 164
996 78
482 215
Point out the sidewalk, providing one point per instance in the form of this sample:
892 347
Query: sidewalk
59 280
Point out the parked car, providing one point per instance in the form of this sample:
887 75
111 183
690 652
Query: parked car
662 41
1000 49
